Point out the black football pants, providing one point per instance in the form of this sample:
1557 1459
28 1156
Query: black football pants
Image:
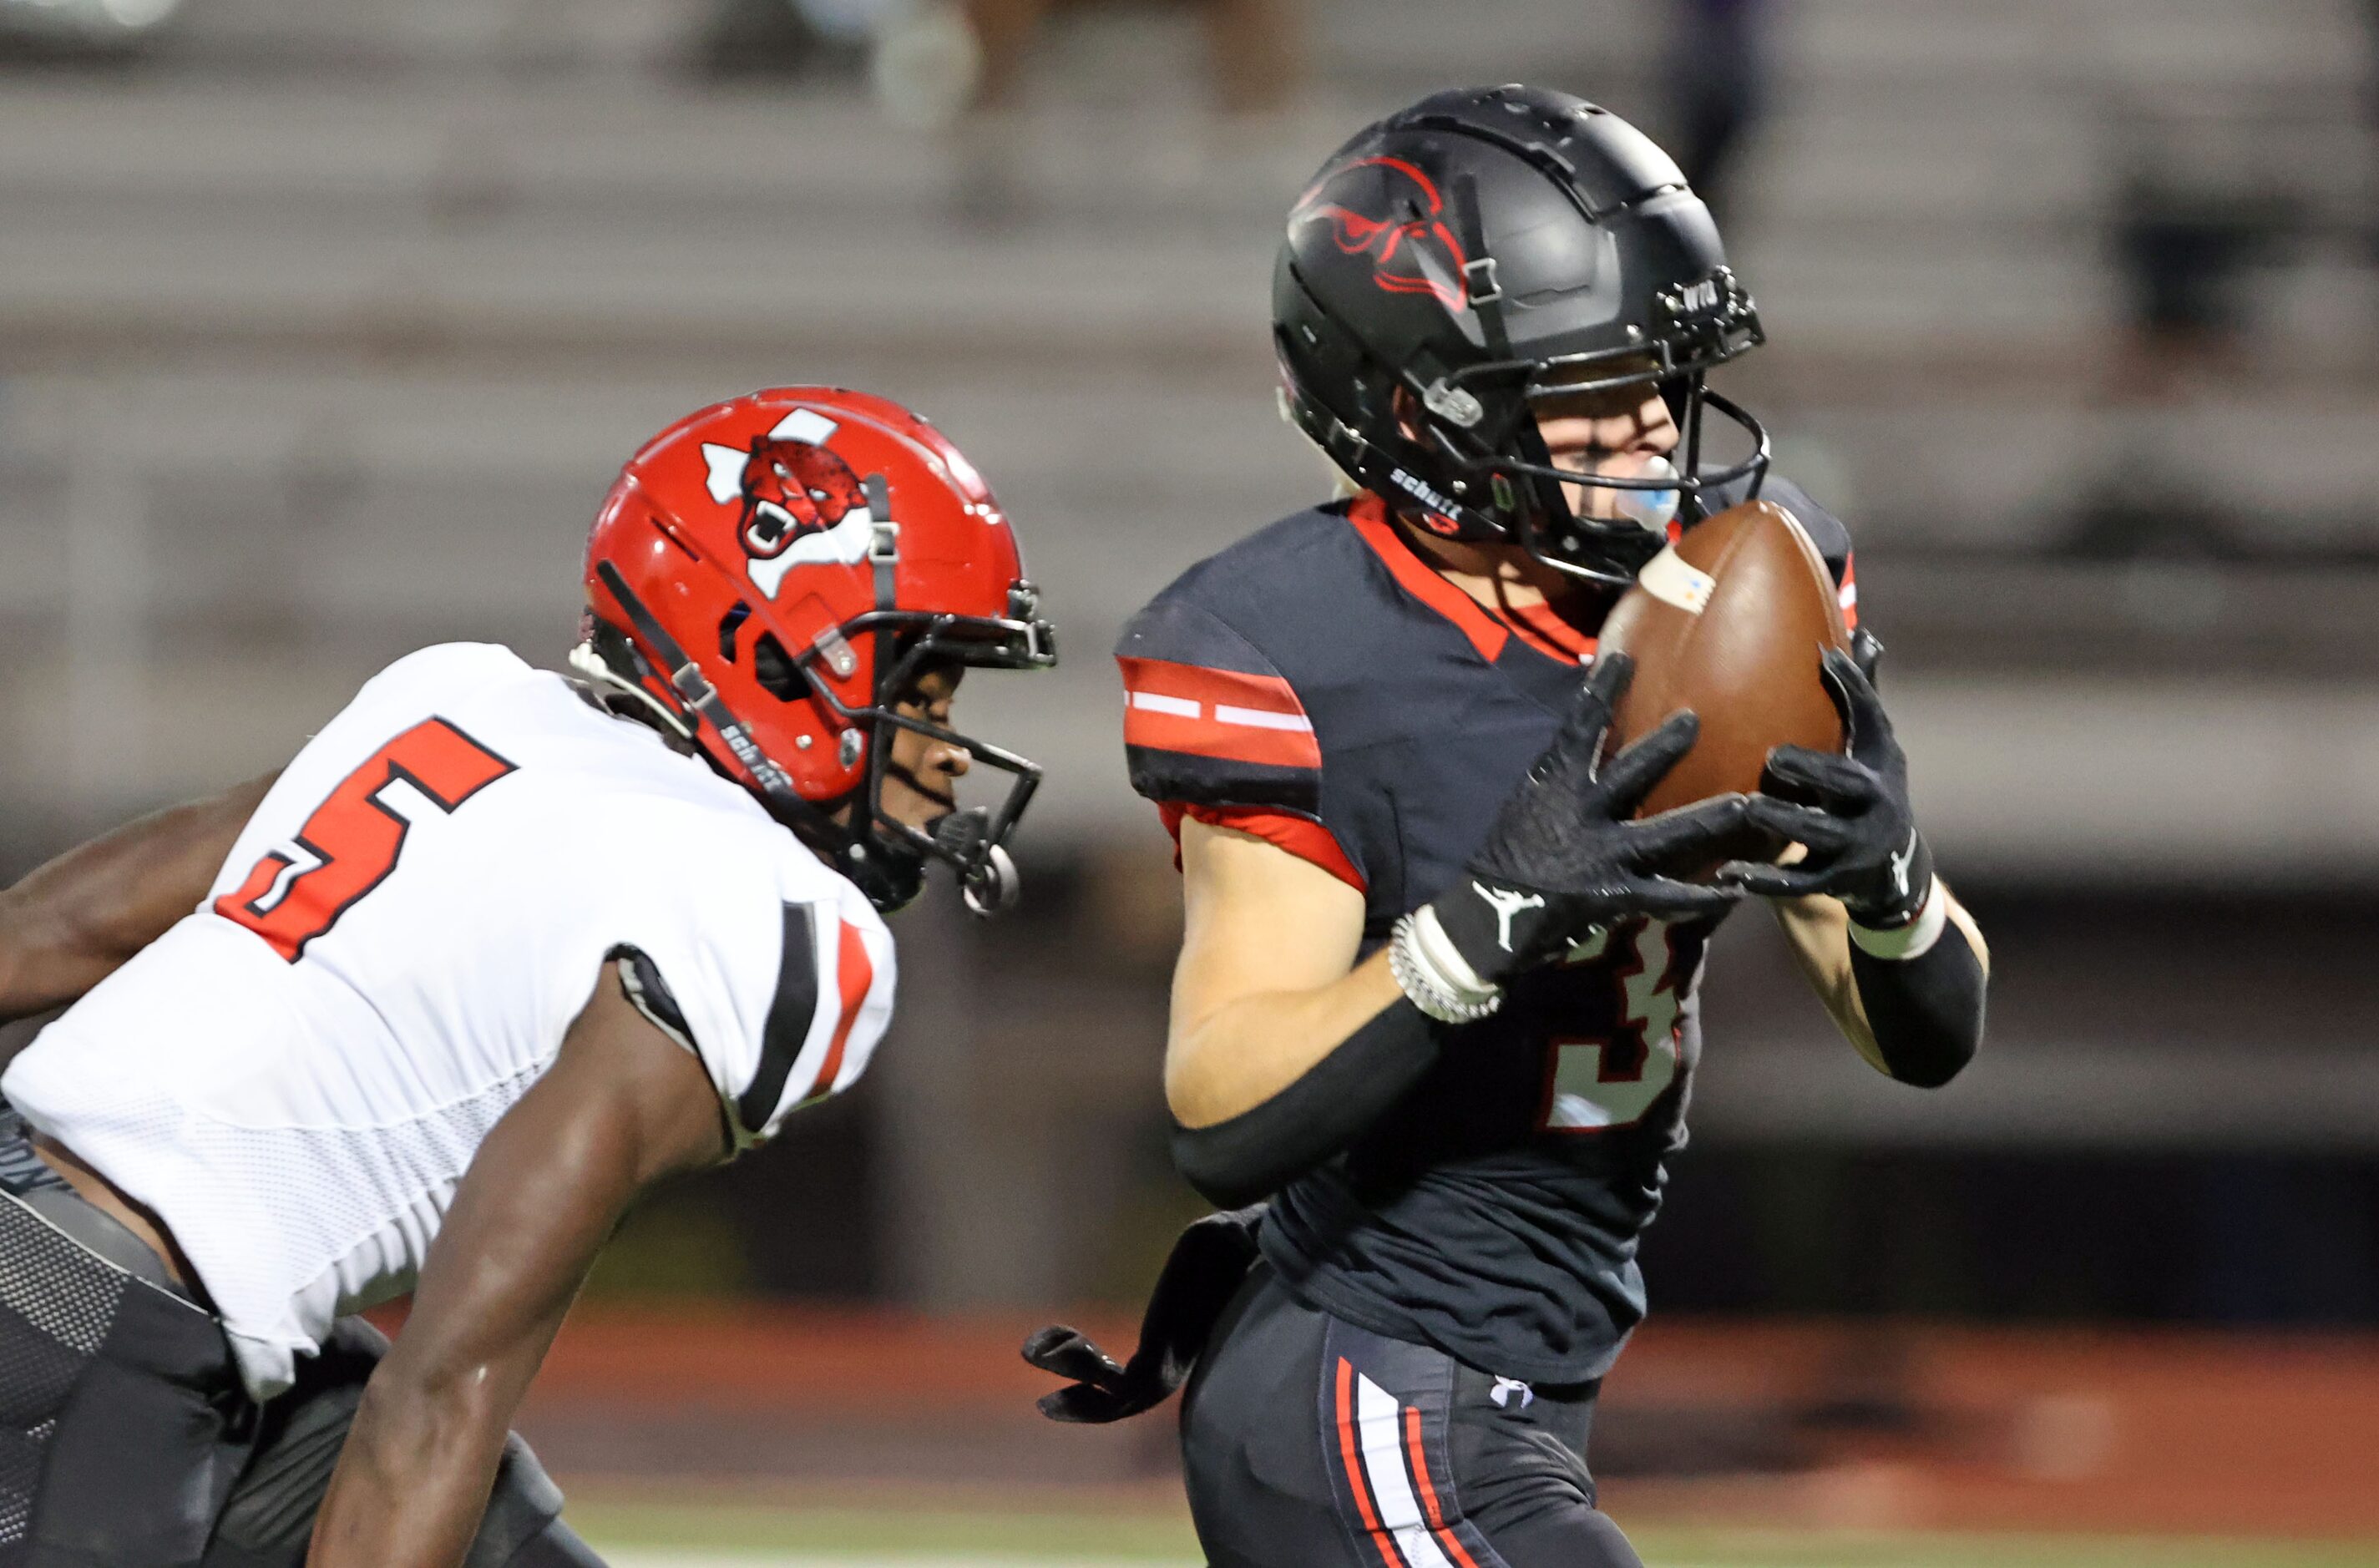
1307 1442
126 1440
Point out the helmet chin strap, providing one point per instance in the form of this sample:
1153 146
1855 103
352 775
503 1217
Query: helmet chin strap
885 886
694 689
882 865
597 672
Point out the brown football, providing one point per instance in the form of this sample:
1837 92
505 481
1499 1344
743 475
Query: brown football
1729 622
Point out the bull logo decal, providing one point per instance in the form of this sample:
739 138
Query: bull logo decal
799 501
1411 249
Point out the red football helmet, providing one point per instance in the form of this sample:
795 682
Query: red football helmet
766 579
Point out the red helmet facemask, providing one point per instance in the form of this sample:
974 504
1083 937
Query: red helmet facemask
770 577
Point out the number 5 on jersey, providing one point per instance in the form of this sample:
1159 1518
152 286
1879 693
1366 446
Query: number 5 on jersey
352 841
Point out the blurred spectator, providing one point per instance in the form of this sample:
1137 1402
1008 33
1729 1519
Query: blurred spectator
2187 253
97 29
934 61
2370 120
2200 209
1720 73
767 38
1254 47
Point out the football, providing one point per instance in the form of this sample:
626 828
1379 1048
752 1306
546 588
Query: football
1729 622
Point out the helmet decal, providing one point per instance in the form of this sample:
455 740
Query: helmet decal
800 501
1413 253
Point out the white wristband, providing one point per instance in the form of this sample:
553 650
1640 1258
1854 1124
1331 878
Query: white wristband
1913 940
1447 966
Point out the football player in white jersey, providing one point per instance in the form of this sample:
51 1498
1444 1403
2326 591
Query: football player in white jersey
427 1010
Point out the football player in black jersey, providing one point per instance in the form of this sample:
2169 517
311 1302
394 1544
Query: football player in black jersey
1436 999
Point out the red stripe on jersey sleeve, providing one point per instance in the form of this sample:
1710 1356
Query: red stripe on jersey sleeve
1215 713
1847 595
854 973
1301 836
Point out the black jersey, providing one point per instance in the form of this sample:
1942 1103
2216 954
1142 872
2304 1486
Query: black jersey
1318 684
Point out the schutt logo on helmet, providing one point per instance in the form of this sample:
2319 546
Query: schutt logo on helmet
1412 250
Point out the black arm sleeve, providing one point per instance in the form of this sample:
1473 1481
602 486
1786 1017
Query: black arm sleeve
1257 1152
1927 1011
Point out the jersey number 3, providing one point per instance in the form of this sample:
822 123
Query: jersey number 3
292 896
1604 1084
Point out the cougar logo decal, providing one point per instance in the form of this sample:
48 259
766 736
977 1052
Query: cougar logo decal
789 486
1395 217
799 500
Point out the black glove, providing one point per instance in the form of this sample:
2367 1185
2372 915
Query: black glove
1198 1279
1566 856
1851 811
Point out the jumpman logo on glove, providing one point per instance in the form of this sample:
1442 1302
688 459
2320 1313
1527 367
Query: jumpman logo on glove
1506 903
1901 862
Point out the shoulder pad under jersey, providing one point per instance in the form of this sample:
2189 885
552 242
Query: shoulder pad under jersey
1209 720
772 969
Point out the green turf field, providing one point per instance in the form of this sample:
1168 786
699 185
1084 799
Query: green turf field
745 1538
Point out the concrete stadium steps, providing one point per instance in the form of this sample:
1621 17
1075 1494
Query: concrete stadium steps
347 483
427 34
2296 465
1114 480
2160 42
623 286
2098 45
480 147
1933 174
1117 473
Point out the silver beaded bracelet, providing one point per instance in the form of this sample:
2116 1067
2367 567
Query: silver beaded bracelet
1427 990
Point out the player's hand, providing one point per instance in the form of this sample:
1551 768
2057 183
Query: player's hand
1565 854
1851 811
1201 1274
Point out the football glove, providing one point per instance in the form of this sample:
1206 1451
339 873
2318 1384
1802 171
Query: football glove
1851 811
1204 1272
1566 856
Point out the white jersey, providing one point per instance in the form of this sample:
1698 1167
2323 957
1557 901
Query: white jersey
297 1076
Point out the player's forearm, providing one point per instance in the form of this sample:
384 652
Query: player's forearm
412 1479
72 922
1346 1080
1918 1018
1921 992
621 1107
51 951
1225 1061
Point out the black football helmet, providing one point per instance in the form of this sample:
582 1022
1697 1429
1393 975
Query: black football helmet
1484 251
